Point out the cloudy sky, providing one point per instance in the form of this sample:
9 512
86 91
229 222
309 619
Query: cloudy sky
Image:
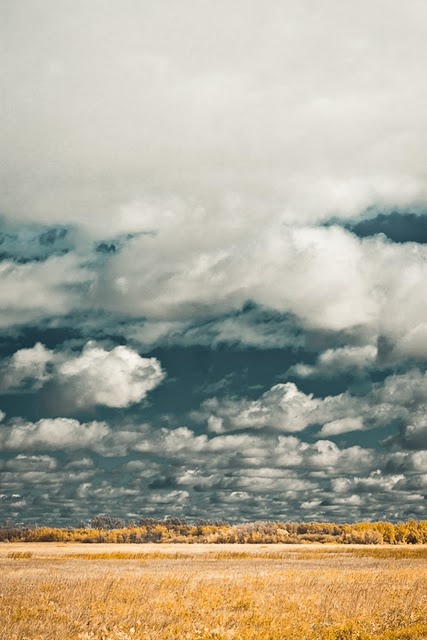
213 259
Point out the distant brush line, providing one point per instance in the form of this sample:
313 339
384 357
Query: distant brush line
179 531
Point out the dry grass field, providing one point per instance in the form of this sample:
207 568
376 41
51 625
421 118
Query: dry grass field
51 591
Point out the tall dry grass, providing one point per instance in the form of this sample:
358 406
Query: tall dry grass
312 593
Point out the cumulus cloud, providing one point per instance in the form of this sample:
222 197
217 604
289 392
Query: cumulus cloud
26 463
180 470
245 452
116 378
27 368
283 407
190 286
335 362
68 436
343 425
52 434
327 278
399 398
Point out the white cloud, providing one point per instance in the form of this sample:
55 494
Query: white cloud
276 473
116 378
309 106
333 362
413 344
344 425
27 367
295 108
269 455
285 408
326 277
310 504
327 455
175 499
52 434
376 482
69 435
27 463
408 389
419 461
37 290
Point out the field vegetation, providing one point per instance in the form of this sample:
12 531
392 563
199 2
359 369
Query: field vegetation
104 529
64 591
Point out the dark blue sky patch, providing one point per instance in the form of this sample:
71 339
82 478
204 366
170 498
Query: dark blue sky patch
27 336
398 227
34 243
106 247
233 371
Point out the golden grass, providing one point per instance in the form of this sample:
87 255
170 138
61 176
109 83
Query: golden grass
20 555
259 593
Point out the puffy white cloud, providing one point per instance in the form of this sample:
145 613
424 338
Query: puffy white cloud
116 378
69 435
285 408
327 455
408 389
276 474
325 277
269 454
52 434
183 438
177 280
333 362
27 367
27 463
343 425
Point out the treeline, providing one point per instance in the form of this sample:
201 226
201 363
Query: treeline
178 530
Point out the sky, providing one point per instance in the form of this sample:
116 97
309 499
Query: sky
213 260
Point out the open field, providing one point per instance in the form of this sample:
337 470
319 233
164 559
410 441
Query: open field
54 591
